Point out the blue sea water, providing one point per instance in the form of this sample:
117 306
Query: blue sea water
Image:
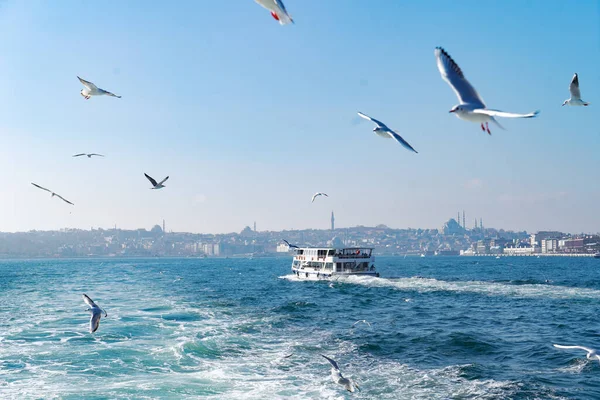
440 328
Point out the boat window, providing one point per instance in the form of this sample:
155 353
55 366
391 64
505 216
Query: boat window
331 252
300 252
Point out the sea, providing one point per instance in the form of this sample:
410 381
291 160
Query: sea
434 328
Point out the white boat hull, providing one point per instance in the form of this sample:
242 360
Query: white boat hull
319 276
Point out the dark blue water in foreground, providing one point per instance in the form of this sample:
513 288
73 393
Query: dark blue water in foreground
441 328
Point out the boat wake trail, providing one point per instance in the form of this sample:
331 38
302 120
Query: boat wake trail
425 285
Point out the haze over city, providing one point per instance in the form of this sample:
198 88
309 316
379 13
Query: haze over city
243 140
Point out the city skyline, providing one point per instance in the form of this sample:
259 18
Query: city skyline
253 139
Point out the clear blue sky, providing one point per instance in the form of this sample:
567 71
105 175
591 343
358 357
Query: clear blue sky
250 118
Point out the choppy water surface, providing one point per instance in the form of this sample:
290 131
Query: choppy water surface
441 328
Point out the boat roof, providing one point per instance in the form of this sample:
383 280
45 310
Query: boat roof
335 248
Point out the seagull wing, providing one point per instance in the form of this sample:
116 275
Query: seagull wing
279 4
400 140
378 123
498 113
87 84
63 199
96 154
106 92
324 194
332 362
286 242
95 320
89 301
152 181
558 346
574 88
314 197
79 155
163 181
43 188
452 74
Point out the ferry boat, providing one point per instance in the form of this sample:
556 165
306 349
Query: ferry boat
316 263
597 255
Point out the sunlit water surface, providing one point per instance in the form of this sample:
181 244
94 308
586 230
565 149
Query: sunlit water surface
440 328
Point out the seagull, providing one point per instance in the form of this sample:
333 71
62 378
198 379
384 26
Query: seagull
93 90
364 321
277 10
88 155
318 194
337 376
53 194
96 313
471 107
575 99
291 246
382 130
158 185
590 352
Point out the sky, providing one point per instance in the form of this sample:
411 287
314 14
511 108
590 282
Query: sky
249 118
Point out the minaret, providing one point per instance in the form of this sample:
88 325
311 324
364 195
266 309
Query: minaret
332 221
458 218
464 223
481 224
164 227
254 226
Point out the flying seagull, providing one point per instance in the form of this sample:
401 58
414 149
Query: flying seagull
53 194
93 90
575 99
471 106
291 246
337 376
382 130
158 185
364 321
88 155
591 353
96 313
277 10
318 194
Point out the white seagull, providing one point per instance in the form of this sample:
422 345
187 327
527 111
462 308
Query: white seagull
53 194
591 353
471 106
96 313
155 185
89 155
337 376
382 130
575 99
93 90
316 195
277 10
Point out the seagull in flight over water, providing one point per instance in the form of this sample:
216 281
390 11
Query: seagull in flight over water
53 194
471 106
277 10
89 155
382 130
337 376
591 353
575 99
291 246
158 185
96 313
93 90
318 194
